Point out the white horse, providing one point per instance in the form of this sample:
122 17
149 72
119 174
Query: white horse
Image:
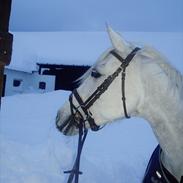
153 91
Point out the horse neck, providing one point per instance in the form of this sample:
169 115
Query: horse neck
163 109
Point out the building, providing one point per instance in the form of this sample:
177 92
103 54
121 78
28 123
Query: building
18 82
66 76
48 77
42 63
47 61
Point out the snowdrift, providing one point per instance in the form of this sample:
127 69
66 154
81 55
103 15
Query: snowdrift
33 151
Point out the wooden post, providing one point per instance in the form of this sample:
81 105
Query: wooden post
1 77
6 39
1 80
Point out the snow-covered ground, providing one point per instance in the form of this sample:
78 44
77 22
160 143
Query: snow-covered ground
33 151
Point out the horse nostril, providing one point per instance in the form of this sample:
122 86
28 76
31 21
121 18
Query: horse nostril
57 118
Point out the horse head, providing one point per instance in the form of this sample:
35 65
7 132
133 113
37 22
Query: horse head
109 105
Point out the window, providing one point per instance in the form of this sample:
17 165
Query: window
16 82
42 85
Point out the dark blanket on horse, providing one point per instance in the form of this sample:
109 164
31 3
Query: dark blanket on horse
156 172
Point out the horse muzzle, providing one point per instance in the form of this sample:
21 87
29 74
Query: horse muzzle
69 126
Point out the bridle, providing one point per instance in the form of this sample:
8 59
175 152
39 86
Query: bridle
79 120
85 105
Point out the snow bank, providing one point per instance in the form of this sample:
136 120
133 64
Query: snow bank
33 151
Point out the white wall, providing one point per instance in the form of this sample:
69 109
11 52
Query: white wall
29 82
50 82
11 75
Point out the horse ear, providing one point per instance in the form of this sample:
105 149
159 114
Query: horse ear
117 41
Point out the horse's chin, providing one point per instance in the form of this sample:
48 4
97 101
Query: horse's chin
67 126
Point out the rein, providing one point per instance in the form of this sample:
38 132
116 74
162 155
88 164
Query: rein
79 120
75 172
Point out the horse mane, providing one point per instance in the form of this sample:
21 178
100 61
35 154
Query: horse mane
175 77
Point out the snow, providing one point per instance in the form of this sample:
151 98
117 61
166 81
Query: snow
33 151
83 48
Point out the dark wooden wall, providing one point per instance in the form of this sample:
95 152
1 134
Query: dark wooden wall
66 75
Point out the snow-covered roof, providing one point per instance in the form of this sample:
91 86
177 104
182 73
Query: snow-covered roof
82 48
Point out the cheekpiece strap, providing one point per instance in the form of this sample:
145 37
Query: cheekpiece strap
91 121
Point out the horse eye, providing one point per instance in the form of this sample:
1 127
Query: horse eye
95 74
